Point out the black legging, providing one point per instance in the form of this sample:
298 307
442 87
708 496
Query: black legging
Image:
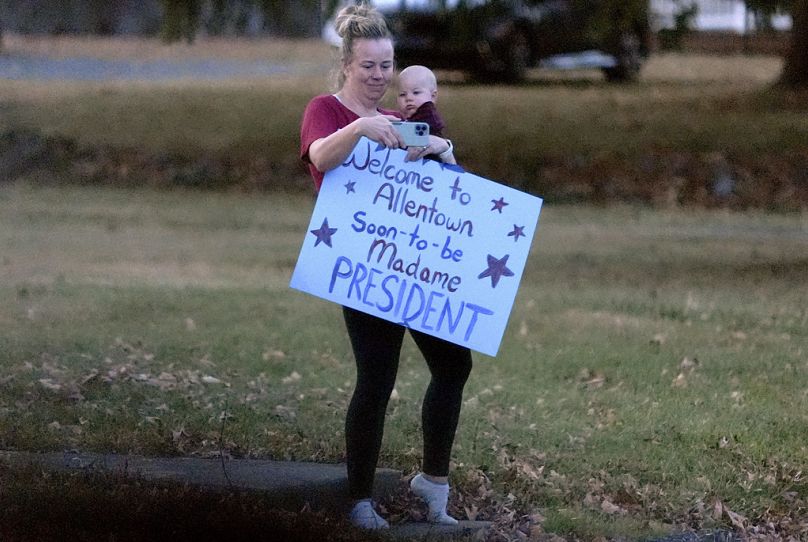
377 346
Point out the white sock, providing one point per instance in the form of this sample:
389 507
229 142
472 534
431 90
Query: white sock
364 516
436 497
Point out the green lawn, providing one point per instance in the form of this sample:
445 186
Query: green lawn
654 364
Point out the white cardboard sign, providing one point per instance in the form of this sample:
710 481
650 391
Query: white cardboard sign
423 244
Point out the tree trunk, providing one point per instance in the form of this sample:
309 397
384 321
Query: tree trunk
795 70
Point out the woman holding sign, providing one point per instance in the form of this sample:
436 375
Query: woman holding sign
332 126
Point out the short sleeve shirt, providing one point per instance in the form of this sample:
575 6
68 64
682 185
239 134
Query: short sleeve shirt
323 116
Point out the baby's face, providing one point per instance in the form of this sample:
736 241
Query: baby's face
412 93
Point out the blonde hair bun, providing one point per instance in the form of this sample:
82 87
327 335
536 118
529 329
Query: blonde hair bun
357 22
361 21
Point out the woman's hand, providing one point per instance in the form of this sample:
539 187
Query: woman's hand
328 152
379 128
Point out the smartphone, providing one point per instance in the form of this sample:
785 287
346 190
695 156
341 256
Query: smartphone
415 134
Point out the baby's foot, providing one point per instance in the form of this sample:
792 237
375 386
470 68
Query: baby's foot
365 517
436 497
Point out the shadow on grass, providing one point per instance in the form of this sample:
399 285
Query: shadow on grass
39 506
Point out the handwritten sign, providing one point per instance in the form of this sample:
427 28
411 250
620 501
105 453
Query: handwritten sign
423 244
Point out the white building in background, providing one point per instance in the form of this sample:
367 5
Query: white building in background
717 15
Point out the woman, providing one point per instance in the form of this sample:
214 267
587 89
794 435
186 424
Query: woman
331 127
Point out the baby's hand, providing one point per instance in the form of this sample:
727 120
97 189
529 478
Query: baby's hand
436 146
416 153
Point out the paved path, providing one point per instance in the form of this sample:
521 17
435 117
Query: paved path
43 68
286 485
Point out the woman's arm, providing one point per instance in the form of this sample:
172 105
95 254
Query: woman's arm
328 152
447 156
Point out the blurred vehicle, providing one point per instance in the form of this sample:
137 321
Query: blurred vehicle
498 40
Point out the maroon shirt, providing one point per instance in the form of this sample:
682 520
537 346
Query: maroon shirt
428 113
323 116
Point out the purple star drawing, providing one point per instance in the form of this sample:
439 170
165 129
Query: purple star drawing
349 187
499 204
496 269
324 233
518 231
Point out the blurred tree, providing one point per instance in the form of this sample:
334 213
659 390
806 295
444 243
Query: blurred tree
763 10
795 69
282 17
217 17
180 20
672 39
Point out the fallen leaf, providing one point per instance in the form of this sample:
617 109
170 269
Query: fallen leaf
205 361
737 520
536 531
49 384
595 382
273 354
90 377
285 412
294 377
718 509
609 507
536 518
688 364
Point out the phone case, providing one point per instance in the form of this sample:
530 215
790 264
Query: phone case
415 134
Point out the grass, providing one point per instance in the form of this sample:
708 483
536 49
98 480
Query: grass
686 107
653 372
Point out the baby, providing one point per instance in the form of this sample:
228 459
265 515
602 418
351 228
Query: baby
417 94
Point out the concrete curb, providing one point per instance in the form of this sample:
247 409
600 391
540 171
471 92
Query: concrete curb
286 485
